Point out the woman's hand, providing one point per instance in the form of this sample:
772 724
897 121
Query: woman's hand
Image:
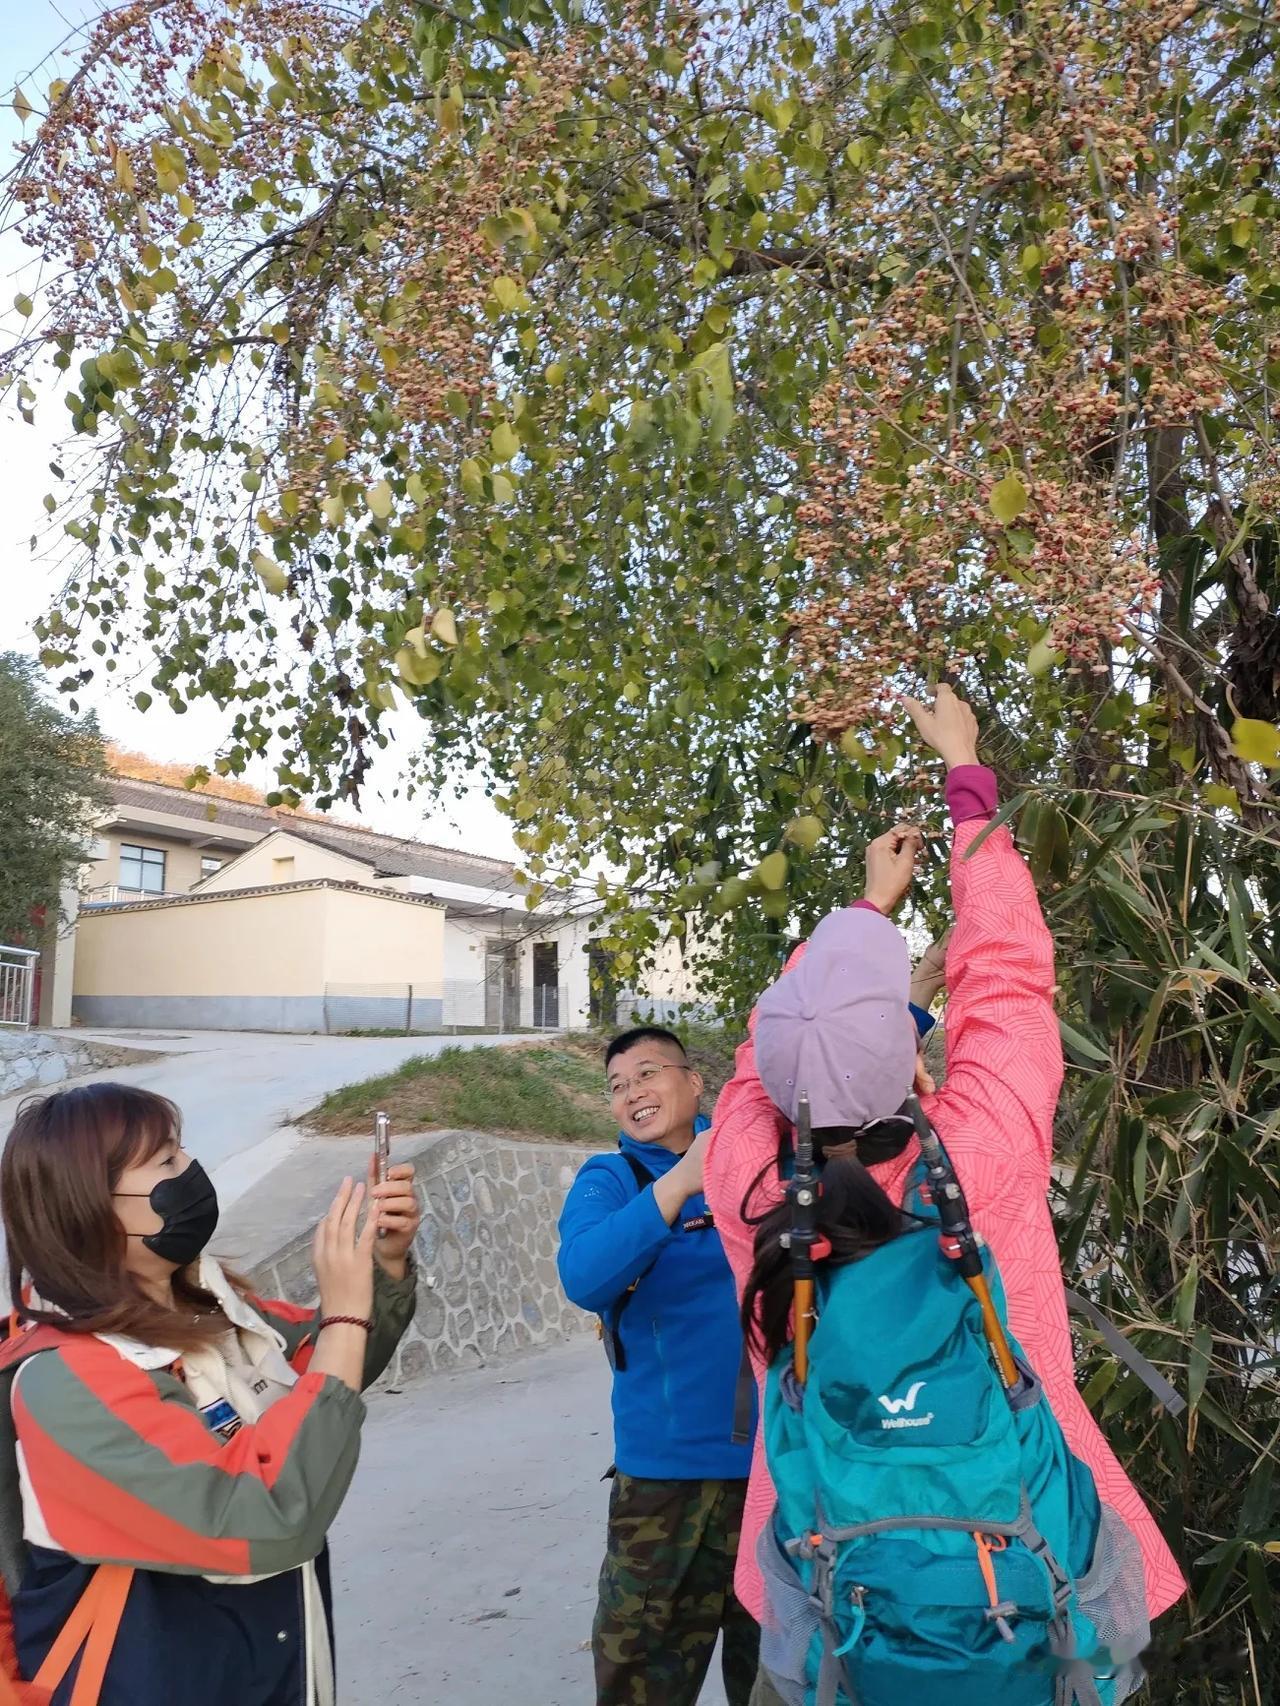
343 1256
891 866
949 727
394 1206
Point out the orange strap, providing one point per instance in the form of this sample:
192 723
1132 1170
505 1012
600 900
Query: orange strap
93 1625
987 1544
9 1695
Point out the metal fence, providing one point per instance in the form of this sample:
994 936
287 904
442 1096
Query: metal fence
425 1009
18 987
111 894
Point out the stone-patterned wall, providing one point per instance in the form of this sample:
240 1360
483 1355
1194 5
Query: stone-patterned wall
487 1281
36 1060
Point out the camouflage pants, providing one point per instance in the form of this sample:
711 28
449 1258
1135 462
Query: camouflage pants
666 1592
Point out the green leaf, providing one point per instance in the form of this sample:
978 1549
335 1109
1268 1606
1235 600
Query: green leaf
1256 742
507 292
1081 1046
771 872
24 305
1010 809
1041 658
1185 1306
504 440
270 573
805 832
380 500
1009 499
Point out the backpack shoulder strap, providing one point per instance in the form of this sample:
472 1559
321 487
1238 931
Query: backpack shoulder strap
639 1172
609 1328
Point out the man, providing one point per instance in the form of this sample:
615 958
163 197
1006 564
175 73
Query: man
638 1246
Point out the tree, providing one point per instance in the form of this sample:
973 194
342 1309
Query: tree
51 770
645 392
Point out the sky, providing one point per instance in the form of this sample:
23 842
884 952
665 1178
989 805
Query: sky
31 34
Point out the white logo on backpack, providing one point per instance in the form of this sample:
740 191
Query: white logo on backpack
895 1405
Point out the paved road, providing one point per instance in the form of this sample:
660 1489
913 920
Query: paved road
465 1560
240 1092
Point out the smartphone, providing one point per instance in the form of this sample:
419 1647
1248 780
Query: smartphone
381 1151
381 1146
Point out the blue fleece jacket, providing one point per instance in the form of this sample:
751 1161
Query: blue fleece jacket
673 1402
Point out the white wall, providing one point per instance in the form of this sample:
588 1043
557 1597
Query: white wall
464 941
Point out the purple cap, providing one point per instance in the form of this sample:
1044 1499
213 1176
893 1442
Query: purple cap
839 1025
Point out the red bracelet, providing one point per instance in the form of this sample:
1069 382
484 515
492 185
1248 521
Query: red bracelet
345 1321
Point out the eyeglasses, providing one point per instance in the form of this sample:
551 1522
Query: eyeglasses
641 1076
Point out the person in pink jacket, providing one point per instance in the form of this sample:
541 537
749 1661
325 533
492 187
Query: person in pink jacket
994 1114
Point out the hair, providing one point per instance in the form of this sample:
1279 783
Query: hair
64 1158
641 1034
853 1214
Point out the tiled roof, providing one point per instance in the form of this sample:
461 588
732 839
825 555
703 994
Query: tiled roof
207 897
390 855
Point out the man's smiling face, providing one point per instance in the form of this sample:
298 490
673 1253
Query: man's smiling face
654 1093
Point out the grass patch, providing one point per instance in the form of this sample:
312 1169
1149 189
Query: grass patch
538 1091
547 1090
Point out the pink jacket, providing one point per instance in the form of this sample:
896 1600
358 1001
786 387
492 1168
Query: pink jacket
995 1115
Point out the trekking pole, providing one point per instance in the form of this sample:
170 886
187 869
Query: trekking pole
802 1193
960 1241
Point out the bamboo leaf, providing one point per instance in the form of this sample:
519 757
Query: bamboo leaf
1082 1046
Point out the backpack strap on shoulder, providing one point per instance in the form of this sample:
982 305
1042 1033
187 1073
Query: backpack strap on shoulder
609 1333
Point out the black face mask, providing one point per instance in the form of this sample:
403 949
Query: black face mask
188 1206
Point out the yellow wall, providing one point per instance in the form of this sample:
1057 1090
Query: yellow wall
291 943
253 945
260 866
374 940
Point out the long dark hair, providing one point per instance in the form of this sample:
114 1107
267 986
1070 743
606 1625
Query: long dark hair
63 1160
854 1215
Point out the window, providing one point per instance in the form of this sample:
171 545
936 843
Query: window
208 866
142 868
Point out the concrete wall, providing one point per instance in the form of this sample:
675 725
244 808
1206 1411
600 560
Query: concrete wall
58 963
487 1281
310 959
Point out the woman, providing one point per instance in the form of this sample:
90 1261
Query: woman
193 1439
994 1115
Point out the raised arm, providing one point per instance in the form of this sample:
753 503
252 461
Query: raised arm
609 1234
742 1178
1004 1049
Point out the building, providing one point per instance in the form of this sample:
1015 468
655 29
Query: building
202 911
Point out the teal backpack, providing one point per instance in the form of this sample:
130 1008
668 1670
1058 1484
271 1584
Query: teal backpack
934 1542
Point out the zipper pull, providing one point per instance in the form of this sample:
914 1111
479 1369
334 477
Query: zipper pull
857 1599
